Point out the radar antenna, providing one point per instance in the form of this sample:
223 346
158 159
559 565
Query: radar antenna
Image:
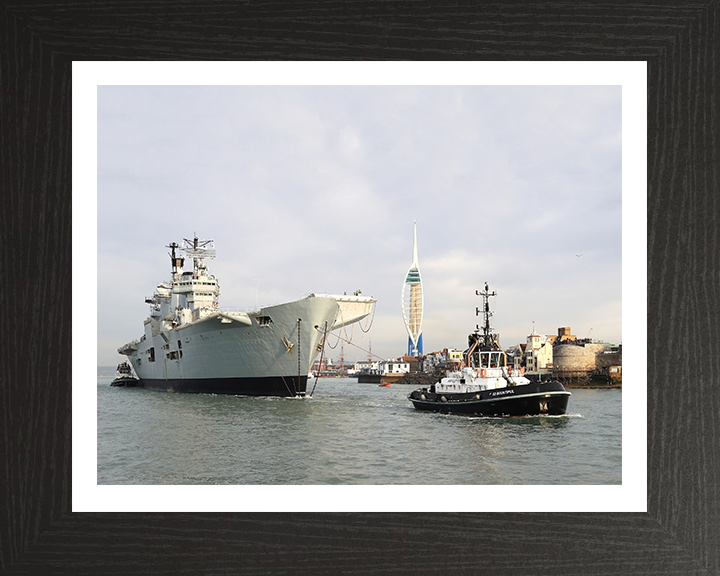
198 251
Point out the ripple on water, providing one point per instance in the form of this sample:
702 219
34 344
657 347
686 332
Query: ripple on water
348 433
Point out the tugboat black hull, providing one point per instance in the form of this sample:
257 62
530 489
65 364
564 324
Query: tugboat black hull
536 398
125 382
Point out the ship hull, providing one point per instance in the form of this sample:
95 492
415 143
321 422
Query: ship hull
264 353
258 386
541 398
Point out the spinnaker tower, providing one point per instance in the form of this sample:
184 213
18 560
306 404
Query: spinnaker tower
412 303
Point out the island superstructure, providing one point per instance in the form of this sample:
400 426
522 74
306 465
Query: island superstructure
191 344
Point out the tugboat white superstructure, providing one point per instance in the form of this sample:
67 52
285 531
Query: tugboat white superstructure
486 385
124 376
190 344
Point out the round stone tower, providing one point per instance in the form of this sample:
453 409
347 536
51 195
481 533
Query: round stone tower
575 361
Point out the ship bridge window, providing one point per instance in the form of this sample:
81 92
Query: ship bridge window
263 320
495 359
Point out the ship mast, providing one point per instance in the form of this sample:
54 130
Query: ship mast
489 340
177 262
342 359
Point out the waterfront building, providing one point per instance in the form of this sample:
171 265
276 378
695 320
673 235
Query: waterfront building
412 303
535 356
615 373
449 357
455 356
516 355
394 366
565 335
433 360
538 354
365 367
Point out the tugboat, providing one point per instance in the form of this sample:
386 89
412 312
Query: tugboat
486 386
124 376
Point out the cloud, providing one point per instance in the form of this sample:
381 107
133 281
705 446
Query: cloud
316 189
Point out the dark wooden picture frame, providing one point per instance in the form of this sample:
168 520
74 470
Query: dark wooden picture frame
38 532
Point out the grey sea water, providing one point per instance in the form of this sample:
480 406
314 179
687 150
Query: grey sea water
348 433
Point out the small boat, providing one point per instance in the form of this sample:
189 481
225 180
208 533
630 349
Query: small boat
384 385
124 376
485 385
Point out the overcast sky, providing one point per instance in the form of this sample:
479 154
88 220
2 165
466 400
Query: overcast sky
315 189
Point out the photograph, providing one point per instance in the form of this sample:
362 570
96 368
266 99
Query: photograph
359 285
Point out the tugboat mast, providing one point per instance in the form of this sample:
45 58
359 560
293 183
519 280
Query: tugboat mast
488 340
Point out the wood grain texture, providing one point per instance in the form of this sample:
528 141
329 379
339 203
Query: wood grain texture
680 533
